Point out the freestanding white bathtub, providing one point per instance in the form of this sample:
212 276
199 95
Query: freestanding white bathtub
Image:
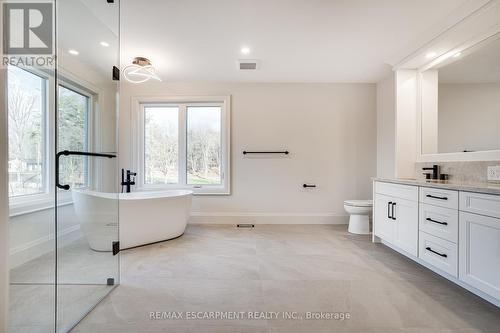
144 217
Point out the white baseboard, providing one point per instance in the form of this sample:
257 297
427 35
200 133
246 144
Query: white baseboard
266 218
28 251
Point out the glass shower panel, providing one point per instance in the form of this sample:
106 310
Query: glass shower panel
30 179
31 202
87 170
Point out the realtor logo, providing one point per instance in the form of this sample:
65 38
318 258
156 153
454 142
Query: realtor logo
28 28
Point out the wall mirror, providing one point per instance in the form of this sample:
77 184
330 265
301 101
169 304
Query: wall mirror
460 102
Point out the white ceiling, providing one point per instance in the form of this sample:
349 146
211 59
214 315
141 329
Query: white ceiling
81 26
296 40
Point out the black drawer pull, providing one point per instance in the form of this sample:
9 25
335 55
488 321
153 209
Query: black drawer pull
434 197
434 221
392 213
389 210
439 254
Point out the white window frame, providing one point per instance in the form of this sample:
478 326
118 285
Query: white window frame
30 203
138 152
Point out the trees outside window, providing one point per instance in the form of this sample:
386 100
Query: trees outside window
27 112
203 145
72 134
161 145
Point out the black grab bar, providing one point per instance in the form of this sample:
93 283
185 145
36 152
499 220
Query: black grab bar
77 153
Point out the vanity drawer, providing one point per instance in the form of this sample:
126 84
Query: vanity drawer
479 203
438 252
397 191
439 197
439 221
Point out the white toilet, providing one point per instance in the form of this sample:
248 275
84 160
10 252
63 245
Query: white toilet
360 211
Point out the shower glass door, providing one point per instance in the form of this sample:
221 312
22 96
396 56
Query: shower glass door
86 167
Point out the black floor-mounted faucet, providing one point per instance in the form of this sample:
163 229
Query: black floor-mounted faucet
128 181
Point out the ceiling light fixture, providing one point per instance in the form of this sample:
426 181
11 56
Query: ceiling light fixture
140 71
430 55
105 44
458 54
73 52
245 50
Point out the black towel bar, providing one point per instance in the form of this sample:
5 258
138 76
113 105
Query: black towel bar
77 153
286 152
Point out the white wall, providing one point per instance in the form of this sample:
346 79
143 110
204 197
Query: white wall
330 130
397 125
469 117
406 122
386 128
32 235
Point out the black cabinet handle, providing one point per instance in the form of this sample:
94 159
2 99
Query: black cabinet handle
392 213
435 252
77 153
435 197
308 185
389 204
434 221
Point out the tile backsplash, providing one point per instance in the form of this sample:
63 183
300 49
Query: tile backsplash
470 172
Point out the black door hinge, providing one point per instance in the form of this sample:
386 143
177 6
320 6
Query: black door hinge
116 248
116 74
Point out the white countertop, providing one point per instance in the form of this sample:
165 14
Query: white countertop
489 188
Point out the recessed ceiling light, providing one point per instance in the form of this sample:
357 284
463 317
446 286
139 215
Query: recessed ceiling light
105 44
73 52
458 54
245 50
430 55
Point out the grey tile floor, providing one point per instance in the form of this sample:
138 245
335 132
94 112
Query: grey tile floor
298 268
82 275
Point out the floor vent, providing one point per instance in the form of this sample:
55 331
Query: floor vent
245 225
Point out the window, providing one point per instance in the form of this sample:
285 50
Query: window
31 141
203 145
72 134
184 145
27 111
161 147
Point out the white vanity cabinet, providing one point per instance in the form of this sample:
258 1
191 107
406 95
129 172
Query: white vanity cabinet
438 229
479 242
384 225
453 232
396 215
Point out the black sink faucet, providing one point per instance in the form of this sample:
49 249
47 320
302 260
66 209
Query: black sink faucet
436 170
129 180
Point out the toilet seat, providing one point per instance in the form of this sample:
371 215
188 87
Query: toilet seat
359 203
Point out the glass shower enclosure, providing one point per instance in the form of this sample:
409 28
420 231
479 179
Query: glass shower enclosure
63 178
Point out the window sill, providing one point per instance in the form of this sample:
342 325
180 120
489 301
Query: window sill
36 203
